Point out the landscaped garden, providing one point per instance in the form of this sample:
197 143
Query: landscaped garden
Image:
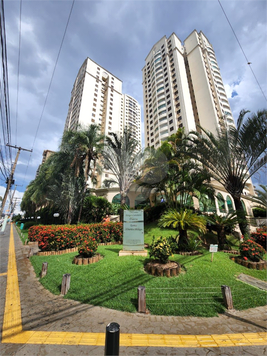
113 281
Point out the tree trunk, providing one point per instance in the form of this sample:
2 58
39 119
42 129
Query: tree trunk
242 222
221 237
183 239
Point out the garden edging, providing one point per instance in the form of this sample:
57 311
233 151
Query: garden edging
249 264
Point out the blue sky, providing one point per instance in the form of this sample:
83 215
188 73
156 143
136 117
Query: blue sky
118 35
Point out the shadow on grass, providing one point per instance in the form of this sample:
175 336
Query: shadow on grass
114 250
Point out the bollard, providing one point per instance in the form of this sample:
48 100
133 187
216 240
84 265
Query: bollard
65 285
227 297
112 342
44 269
141 295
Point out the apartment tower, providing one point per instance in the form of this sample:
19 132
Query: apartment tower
97 98
182 87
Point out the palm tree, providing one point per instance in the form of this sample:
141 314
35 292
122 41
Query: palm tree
222 225
234 155
84 147
183 221
122 158
170 170
261 198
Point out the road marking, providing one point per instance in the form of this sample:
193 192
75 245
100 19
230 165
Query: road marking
3 274
14 334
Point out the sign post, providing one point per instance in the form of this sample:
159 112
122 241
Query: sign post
133 233
213 248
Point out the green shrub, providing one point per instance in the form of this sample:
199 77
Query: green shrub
28 224
88 247
193 244
160 249
250 250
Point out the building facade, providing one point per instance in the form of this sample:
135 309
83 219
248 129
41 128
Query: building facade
183 88
97 98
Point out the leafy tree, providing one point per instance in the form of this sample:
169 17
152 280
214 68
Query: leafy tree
183 221
261 198
122 158
234 155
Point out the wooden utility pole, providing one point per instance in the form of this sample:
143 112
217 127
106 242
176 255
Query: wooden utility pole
10 179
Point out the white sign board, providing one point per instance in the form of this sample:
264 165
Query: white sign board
133 230
213 248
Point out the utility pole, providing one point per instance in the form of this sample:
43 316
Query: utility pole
10 179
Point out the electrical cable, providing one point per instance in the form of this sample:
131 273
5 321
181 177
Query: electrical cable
18 73
51 80
248 62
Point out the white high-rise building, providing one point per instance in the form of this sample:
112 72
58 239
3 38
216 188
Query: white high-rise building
182 87
97 98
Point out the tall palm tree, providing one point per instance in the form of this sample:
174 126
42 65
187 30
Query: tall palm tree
84 147
234 155
122 158
261 198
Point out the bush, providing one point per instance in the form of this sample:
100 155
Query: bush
193 244
153 213
160 249
28 224
59 237
88 247
260 236
250 250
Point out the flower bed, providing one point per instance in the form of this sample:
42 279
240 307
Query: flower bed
249 264
62 237
259 236
80 260
189 253
169 269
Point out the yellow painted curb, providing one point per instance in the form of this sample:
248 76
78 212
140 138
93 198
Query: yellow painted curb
12 327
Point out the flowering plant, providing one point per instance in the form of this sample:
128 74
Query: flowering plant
88 247
250 250
160 249
260 236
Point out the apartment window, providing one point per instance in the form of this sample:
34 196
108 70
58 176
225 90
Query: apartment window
93 114
95 94
179 118
167 90
181 125
176 92
94 104
171 121
169 108
171 129
95 99
170 115
94 109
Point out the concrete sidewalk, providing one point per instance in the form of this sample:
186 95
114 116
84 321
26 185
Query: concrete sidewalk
48 319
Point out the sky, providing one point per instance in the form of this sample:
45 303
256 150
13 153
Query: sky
118 35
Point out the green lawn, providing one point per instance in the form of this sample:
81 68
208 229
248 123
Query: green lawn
152 229
113 281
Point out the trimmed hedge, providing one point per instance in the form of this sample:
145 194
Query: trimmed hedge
61 237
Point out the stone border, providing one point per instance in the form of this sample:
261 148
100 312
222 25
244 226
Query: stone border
253 265
78 260
192 253
159 270
233 252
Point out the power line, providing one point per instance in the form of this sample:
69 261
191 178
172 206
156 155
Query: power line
248 62
17 103
51 80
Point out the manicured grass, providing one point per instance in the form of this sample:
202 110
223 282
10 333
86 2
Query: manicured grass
113 281
152 229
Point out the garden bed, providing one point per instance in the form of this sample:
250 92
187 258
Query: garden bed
80 260
189 253
170 269
254 265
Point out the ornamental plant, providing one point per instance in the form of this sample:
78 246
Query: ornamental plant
260 236
251 251
88 247
161 249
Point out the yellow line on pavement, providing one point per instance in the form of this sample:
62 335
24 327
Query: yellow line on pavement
13 333
12 315
3 274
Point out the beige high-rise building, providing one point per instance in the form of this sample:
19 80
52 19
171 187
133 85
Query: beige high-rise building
182 87
97 98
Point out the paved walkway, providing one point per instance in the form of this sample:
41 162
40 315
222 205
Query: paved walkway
36 322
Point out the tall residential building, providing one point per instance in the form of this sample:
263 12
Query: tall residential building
182 87
97 98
